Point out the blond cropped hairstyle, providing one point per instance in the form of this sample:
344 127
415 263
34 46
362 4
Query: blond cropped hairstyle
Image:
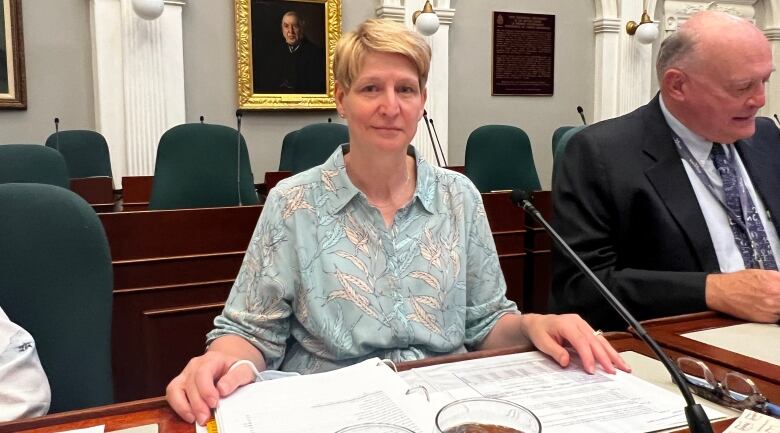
379 36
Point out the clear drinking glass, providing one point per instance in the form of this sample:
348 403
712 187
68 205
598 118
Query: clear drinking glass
486 415
375 427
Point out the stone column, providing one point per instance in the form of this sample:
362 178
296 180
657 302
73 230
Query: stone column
138 69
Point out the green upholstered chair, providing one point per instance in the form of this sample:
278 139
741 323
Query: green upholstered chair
556 137
499 157
562 143
313 144
287 155
56 282
197 166
85 152
32 163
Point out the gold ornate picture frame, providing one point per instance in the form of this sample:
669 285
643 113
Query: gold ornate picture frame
284 53
13 87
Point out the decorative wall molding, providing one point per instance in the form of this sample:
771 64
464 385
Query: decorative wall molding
138 69
677 12
607 25
437 104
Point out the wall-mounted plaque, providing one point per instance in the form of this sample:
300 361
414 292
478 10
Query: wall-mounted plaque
523 53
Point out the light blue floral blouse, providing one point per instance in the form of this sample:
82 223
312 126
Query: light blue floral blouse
326 284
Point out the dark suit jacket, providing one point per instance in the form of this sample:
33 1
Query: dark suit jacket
302 71
623 201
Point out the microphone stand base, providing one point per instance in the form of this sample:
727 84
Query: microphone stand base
697 419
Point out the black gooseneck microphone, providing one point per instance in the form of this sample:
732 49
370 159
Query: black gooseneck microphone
57 132
697 419
438 141
433 144
582 114
202 119
239 115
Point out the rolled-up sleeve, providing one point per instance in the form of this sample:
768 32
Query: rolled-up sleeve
486 289
260 302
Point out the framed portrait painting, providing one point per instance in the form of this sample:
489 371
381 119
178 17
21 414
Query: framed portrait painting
284 52
12 81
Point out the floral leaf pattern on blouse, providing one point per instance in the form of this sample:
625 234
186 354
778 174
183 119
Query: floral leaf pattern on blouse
325 283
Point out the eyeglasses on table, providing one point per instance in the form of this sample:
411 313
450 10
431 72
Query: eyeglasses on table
736 390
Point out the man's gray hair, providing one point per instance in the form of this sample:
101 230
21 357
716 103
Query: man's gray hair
678 46
301 21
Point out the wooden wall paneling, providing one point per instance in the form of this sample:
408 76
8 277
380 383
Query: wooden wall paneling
181 232
173 336
501 213
136 374
136 189
538 279
164 261
507 222
165 271
97 190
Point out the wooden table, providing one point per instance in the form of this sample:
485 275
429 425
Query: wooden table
156 410
669 334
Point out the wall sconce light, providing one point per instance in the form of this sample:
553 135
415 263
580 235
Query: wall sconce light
426 21
646 31
148 9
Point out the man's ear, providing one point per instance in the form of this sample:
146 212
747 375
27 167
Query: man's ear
673 82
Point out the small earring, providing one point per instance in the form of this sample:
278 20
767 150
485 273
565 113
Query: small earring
341 115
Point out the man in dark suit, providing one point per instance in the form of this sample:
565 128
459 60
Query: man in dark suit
297 67
669 219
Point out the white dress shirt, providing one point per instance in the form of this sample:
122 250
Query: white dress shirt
24 388
729 257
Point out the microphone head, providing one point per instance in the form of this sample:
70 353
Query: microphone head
56 120
239 113
519 196
201 119
579 109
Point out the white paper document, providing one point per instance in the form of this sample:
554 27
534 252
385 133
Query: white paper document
753 422
756 340
326 402
565 400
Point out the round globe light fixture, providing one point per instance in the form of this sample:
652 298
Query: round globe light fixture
426 21
647 33
148 9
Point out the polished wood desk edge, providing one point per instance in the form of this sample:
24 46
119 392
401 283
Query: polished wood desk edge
682 318
84 414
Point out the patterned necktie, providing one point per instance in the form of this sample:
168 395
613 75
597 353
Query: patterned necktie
755 238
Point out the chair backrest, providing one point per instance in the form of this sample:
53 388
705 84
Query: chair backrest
197 166
499 157
288 151
313 144
56 282
556 137
85 152
562 143
32 163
